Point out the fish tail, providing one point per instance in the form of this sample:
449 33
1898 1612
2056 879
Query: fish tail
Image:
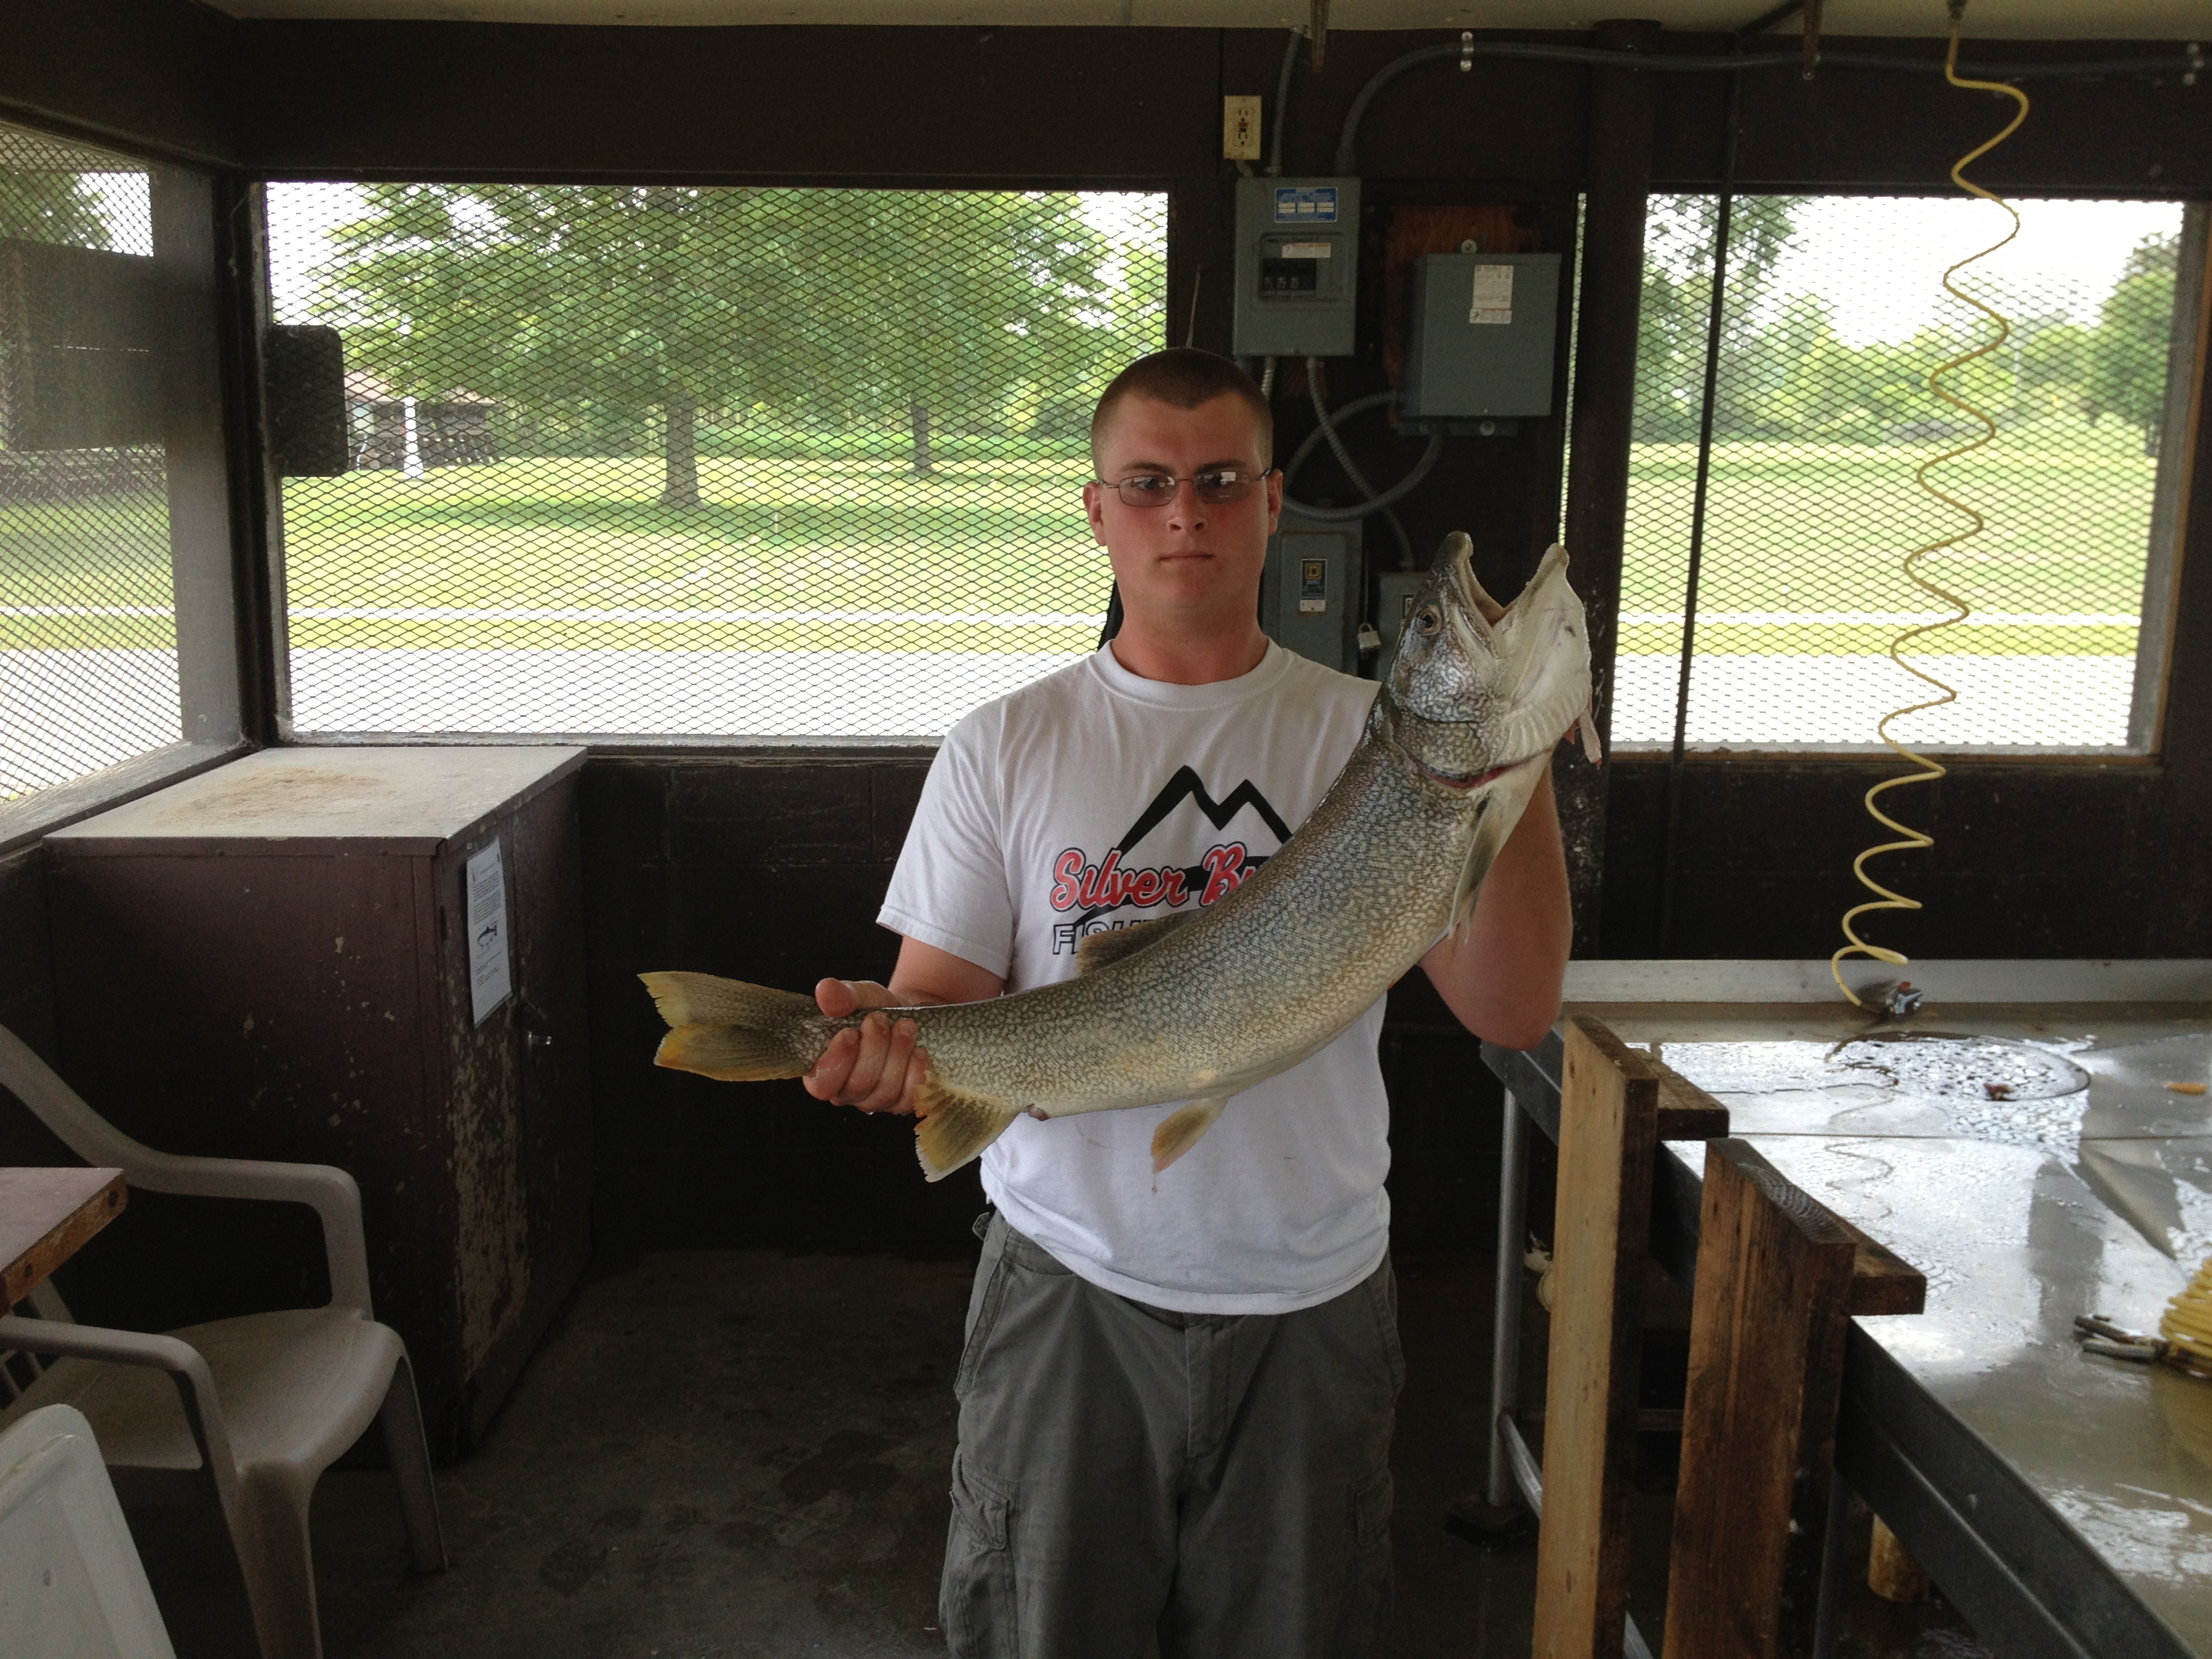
740 1033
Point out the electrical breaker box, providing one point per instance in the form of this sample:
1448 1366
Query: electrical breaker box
1310 591
1298 267
1485 330
1395 591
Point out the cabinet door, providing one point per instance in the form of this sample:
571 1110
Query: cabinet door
518 1106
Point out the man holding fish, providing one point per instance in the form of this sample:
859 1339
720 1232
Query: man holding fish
1176 1396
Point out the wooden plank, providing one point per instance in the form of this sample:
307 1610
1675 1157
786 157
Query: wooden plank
1766 1342
1883 1282
1685 1111
45 1217
1608 1133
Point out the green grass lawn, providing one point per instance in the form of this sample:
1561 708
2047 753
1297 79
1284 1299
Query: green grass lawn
1812 528
999 537
109 553
1791 527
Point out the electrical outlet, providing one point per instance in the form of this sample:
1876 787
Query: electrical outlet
1240 129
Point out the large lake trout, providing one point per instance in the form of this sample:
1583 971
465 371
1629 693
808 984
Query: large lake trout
1201 1004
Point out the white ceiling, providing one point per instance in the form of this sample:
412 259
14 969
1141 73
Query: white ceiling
2018 19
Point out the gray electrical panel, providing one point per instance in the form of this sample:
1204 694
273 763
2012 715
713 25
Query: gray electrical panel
1484 336
1298 267
1395 591
1310 591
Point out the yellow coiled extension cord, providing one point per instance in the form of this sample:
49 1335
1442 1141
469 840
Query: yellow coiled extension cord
1914 839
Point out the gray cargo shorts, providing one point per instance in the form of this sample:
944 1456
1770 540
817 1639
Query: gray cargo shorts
1221 1482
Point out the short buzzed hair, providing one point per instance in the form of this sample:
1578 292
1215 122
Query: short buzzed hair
1183 377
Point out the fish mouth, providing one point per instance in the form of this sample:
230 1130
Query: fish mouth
1460 782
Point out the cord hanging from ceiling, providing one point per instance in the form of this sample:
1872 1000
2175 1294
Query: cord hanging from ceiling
1915 840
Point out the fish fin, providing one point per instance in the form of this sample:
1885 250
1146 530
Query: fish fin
1591 747
740 1033
706 1000
956 1125
734 1054
1110 944
1180 1131
1490 838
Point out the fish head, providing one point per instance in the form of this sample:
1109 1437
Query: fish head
1477 688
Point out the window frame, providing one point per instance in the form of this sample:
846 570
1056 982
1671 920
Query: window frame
2185 387
204 422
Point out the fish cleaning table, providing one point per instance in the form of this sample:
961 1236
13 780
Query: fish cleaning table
2016 1139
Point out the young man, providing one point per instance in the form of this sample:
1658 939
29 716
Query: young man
1176 1397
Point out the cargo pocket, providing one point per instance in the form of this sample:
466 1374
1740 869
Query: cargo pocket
975 1599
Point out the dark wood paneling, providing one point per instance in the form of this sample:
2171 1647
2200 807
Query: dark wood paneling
152 74
453 99
1850 128
27 1001
1618 180
474 100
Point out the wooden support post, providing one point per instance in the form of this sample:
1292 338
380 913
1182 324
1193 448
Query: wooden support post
1775 1275
1616 199
1608 1134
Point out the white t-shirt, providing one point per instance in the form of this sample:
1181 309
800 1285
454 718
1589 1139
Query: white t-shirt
1096 798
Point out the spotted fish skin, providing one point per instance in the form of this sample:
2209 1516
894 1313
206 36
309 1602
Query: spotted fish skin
1208 1003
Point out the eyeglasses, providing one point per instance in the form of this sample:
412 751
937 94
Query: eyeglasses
1217 486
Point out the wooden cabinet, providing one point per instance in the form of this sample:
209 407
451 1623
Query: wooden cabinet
272 960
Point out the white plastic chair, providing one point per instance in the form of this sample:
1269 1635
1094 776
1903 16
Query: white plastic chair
70 1581
258 1407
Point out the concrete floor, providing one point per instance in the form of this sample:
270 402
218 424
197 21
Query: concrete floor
745 1454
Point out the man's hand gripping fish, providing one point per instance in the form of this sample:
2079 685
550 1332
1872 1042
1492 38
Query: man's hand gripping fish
1200 1004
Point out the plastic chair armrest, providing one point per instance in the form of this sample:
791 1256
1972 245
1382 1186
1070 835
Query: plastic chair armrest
66 1340
331 1192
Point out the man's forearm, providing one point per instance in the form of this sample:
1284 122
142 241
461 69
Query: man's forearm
1501 976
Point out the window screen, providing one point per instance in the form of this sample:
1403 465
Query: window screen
88 672
708 462
1833 315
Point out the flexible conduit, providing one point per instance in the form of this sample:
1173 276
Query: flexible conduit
1914 839
1326 430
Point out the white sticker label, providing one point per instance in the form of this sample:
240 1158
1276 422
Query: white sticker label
1314 202
1492 300
1304 250
489 981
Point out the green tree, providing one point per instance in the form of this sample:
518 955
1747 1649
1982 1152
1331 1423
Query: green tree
1678 268
834 305
2126 356
60 208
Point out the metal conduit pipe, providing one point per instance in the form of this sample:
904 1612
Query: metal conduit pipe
1314 439
1283 103
2188 64
1374 501
1326 426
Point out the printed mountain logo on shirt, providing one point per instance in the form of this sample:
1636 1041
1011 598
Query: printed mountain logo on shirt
1094 887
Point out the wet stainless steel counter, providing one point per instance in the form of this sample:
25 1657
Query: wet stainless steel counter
2017 1141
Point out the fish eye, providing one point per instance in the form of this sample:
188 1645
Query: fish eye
1426 620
